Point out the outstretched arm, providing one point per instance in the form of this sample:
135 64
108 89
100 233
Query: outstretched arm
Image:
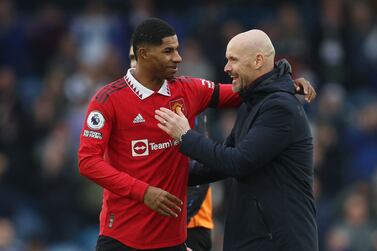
303 87
274 124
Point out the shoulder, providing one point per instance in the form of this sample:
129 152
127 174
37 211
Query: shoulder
192 81
281 101
104 93
181 79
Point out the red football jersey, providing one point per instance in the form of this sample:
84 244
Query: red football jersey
123 150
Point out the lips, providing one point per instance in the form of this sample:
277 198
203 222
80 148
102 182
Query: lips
174 69
234 78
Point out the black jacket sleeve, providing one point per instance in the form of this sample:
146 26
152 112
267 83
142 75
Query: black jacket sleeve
269 135
200 174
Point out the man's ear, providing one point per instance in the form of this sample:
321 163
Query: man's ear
259 60
143 52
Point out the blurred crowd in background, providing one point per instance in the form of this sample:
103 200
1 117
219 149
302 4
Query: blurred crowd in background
54 55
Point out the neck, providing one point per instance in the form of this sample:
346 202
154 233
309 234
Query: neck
144 76
266 70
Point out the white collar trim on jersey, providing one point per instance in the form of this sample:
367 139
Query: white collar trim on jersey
140 90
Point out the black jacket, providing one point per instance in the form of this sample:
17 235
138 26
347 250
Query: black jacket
269 154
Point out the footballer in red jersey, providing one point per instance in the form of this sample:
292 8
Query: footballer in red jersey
123 150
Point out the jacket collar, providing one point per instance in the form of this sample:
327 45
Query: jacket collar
279 79
140 90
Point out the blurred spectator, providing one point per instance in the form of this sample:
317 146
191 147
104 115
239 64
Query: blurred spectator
359 29
96 31
292 37
195 63
141 9
331 119
8 241
15 133
50 20
331 48
15 49
362 142
354 229
56 188
338 240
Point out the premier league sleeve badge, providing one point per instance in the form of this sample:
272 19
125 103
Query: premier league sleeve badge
95 120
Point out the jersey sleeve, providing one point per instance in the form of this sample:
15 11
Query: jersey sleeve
209 94
227 98
94 139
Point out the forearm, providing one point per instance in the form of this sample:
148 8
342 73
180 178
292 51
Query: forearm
199 174
108 177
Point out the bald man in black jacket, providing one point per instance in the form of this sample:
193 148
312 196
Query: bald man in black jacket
269 153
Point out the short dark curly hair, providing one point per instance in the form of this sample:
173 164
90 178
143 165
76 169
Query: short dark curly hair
151 32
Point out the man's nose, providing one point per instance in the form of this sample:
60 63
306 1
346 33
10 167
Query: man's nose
227 68
177 58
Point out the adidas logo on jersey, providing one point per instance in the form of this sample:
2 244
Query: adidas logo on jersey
138 119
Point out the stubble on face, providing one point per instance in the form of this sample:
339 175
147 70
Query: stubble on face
240 60
165 57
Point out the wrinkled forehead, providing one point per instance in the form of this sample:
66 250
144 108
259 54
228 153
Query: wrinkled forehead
236 48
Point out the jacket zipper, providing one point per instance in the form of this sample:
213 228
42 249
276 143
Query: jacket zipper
269 235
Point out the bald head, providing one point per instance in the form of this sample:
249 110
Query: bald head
250 55
253 42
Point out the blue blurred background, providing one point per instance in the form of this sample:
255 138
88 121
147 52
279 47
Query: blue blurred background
54 55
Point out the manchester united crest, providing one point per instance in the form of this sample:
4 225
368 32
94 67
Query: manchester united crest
178 103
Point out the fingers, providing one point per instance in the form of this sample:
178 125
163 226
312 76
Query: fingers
164 115
163 124
169 203
174 199
168 111
166 203
166 211
172 207
303 86
162 212
162 202
179 112
311 94
160 119
163 127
